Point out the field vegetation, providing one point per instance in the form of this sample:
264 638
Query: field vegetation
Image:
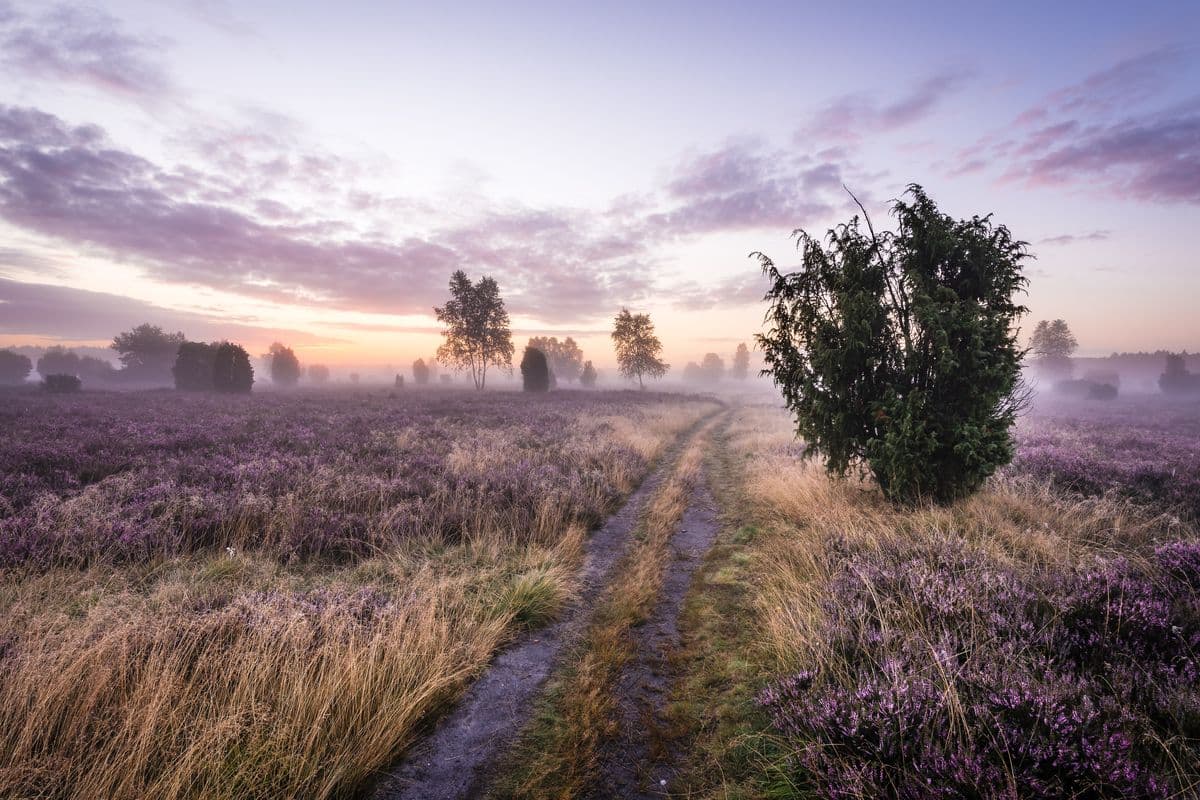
266 596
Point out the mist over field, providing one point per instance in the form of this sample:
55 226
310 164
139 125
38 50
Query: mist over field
715 400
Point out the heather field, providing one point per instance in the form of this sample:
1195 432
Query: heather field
282 595
1040 639
264 596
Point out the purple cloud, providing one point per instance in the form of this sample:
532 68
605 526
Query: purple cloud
741 289
60 312
852 116
85 46
1151 157
744 185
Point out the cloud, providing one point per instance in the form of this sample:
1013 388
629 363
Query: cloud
742 289
852 116
67 314
72 44
1086 134
1153 157
745 185
1070 238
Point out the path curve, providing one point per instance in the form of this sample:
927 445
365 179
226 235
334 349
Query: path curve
453 761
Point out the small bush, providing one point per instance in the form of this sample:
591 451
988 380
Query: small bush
14 367
232 372
1089 389
62 384
421 372
399 382
587 378
194 364
535 371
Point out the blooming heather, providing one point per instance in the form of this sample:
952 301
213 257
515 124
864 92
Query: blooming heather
122 477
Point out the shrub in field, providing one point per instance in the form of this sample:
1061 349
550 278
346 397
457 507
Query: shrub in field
535 371
1176 379
232 372
421 372
318 373
62 384
14 367
896 352
1083 388
587 378
194 365
952 675
285 367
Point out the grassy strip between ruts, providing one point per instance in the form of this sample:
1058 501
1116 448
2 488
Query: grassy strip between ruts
556 756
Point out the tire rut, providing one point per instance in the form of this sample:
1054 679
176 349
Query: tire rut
640 761
453 761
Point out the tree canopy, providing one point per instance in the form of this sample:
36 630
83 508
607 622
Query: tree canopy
478 334
285 367
14 367
565 357
147 352
637 347
535 370
897 351
741 363
587 378
1052 344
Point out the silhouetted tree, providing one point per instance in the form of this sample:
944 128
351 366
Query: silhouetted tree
897 353
713 367
637 347
477 330
195 365
565 357
147 353
741 363
421 372
692 373
285 367
1052 344
399 382
1176 379
535 370
14 367
58 360
587 378
318 373
62 384
231 369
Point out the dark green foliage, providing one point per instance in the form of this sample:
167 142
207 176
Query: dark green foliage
194 365
535 371
587 378
285 367
897 352
14 367
231 369
62 384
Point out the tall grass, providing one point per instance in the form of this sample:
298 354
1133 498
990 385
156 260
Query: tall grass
235 673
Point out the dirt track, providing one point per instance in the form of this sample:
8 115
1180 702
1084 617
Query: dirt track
640 762
453 761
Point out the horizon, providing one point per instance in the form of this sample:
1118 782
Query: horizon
314 176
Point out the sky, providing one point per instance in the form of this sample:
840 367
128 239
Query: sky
313 172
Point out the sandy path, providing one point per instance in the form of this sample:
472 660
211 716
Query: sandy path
453 761
639 761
